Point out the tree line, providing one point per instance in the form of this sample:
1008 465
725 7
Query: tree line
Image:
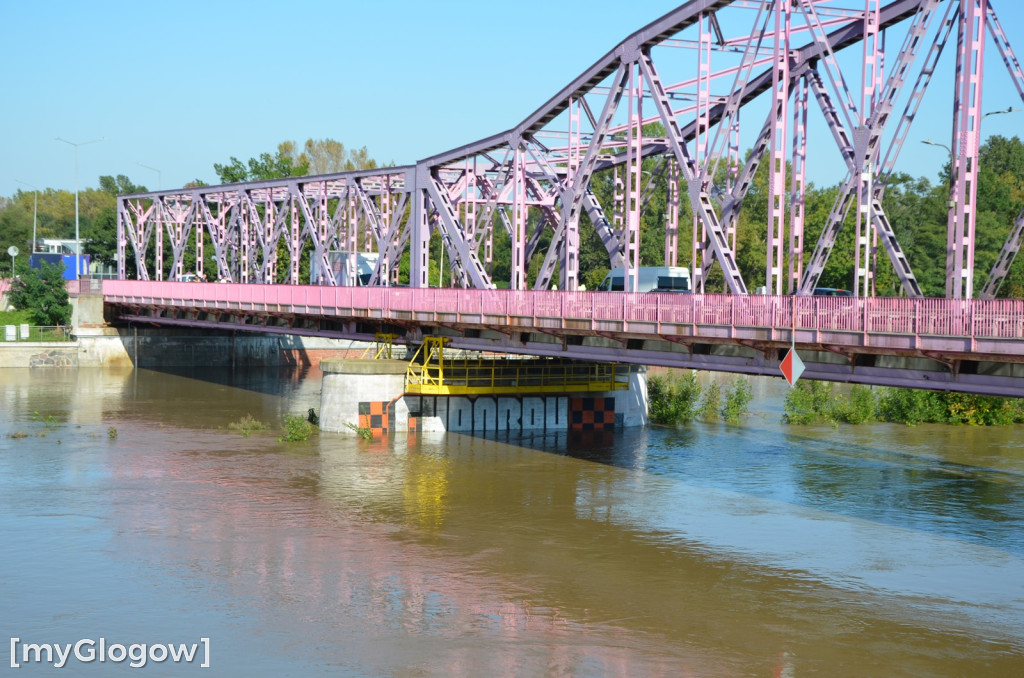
54 209
916 207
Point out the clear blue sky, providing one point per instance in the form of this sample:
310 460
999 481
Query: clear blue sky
181 85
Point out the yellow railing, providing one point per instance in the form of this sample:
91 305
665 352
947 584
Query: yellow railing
430 373
381 348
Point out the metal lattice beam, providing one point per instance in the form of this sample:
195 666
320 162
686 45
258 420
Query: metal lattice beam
532 183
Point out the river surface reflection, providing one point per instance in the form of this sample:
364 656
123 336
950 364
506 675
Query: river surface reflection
130 511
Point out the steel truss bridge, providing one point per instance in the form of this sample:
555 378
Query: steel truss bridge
864 70
943 344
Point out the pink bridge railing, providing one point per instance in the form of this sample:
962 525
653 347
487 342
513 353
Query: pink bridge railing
999 319
74 287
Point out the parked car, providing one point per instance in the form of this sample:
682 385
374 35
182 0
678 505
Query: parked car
831 292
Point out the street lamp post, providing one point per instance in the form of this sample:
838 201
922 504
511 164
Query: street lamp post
158 174
1010 109
78 239
949 183
936 143
962 186
35 211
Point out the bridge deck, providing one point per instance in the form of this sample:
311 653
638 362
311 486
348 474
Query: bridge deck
951 329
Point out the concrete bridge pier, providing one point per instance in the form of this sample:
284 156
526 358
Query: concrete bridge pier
365 393
371 394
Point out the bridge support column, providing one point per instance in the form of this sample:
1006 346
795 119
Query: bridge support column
369 394
633 403
364 393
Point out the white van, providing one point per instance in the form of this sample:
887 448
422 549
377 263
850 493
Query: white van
649 279
339 263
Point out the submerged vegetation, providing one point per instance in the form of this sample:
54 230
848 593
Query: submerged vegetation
48 420
362 431
247 425
737 401
675 400
817 402
296 429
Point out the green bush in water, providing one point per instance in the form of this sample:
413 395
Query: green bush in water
296 429
737 401
673 400
913 406
809 402
711 403
857 407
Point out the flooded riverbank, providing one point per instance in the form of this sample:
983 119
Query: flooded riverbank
757 550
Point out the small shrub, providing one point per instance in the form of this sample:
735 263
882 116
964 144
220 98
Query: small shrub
814 402
49 421
711 402
112 433
857 407
673 400
978 410
296 429
43 293
247 424
361 431
910 406
809 402
737 401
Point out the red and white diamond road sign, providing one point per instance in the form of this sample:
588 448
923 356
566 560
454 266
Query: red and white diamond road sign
792 367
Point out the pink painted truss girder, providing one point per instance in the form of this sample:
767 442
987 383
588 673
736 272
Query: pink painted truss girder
536 180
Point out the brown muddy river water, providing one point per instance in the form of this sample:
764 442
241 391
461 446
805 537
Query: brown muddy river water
129 512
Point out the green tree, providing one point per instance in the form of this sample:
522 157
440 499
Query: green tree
281 164
1000 200
55 216
120 185
99 232
327 156
42 292
593 256
673 399
16 226
916 211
